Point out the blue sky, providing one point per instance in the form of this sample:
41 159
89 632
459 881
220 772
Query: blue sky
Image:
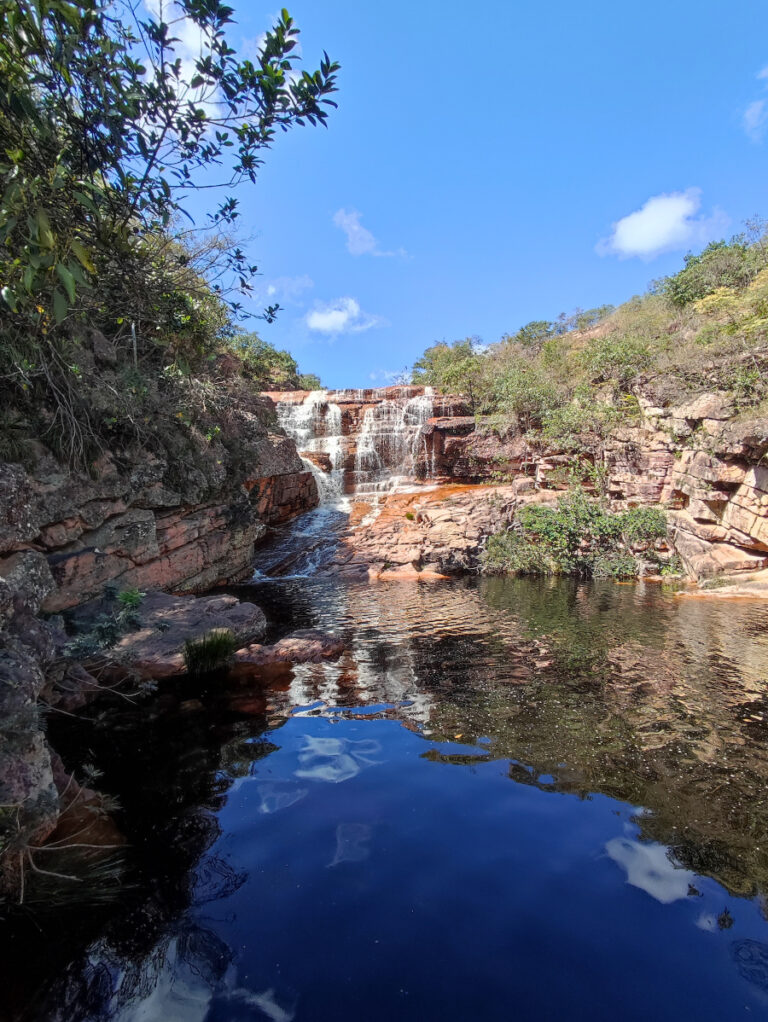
481 156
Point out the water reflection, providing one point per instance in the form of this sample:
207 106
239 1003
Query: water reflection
505 792
649 867
334 759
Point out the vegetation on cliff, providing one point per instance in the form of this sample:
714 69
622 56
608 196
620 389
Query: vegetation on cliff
108 130
567 383
578 537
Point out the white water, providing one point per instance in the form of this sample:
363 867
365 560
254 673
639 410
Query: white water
390 444
315 426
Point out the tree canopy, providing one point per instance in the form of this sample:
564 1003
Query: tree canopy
112 115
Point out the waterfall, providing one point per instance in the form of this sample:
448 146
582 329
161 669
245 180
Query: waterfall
390 445
315 426
390 442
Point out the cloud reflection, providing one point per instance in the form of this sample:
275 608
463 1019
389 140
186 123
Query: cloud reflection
335 759
649 867
352 841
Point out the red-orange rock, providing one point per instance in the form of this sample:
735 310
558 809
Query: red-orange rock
300 647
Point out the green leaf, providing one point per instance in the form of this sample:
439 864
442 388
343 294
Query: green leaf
84 200
67 280
83 256
44 232
60 307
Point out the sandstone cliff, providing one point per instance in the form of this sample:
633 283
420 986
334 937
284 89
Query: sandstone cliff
149 519
694 456
181 518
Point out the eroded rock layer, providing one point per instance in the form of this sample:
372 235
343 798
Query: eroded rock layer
141 519
693 456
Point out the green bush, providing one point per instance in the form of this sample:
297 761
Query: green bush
121 616
309 381
528 392
452 368
722 264
267 367
575 427
617 359
577 537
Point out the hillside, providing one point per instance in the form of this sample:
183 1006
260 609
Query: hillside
567 383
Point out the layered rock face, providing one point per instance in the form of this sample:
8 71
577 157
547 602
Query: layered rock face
141 520
695 458
365 441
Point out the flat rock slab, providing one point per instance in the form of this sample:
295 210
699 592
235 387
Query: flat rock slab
737 590
305 646
156 650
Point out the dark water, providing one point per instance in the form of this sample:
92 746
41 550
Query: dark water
508 800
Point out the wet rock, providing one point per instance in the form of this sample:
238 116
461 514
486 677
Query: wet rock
319 459
430 534
304 646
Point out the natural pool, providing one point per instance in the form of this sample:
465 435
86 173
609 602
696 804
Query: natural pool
509 799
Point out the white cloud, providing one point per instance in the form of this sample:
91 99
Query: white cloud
342 316
649 867
360 241
754 120
287 289
664 223
385 375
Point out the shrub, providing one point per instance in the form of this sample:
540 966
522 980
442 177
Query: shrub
619 359
533 334
210 653
453 368
578 427
526 391
266 366
109 627
309 381
721 265
130 599
578 537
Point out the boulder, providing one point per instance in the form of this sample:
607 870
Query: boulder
304 646
156 649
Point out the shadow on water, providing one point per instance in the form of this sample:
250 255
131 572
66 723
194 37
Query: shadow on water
507 794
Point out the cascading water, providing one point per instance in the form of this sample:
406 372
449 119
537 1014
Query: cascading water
390 442
315 426
349 457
